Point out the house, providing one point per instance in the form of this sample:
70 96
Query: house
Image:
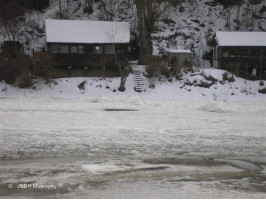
87 48
242 53
179 58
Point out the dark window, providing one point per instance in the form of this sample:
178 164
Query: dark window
256 52
88 49
81 49
109 49
64 49
98 49
74 49
232 54
120 50
54 48
243 52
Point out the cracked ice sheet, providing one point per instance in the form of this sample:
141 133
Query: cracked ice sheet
48 127
103 151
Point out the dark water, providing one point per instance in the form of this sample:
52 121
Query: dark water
95 177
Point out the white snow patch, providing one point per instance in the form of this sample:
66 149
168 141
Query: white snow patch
242 164
135 100
216 73
102 168
215 107
178 51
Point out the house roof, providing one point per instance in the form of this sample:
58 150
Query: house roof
241 38
81 31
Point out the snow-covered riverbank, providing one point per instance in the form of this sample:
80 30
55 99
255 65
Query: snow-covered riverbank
201 85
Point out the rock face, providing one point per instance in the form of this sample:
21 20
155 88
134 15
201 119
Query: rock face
262 90
82 85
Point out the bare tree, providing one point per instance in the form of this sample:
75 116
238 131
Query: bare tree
148 13
116 10
108 9
67 9
114 38
88 6
12 21
145 27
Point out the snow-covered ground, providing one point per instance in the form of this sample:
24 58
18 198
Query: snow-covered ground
162 149
189 86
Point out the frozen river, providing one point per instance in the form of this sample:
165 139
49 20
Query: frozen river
131 148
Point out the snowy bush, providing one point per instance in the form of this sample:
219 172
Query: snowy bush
18 68
214 107
43 65
156 66
15 68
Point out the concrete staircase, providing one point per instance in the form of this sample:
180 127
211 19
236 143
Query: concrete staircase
138 71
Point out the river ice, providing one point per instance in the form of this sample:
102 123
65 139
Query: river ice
131 148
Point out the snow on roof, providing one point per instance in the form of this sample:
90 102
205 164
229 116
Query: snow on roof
78 31
241 38
178 51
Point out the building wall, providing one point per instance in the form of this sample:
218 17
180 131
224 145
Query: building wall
247 62
88 60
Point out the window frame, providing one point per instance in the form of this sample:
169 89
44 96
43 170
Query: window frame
98 51
71 49
54 47
62 50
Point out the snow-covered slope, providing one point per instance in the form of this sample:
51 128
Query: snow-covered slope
188 25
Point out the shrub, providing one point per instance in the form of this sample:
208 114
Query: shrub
208 56
9 70
152 65
262 9
155 66
15 68
88 9
19 68
25 81
227 3
164 70
43 65
228 78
